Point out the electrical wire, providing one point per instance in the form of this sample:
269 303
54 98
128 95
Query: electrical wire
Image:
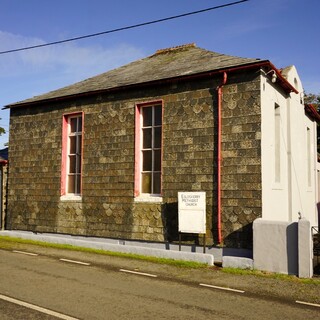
124 28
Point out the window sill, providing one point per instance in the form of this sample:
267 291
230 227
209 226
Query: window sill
148 198
70 197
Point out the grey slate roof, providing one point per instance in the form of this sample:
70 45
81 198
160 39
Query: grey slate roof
164 64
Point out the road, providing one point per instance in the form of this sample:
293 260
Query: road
66 290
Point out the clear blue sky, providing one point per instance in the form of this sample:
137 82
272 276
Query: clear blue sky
286 32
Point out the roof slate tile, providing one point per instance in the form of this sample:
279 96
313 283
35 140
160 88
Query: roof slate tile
164 64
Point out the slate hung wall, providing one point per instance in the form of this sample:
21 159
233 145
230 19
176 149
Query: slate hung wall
108 207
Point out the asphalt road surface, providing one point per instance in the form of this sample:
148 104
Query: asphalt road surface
40 287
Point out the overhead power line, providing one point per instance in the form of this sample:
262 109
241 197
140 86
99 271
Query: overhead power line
124 28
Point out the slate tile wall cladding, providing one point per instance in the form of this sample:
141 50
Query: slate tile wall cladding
107 208
3 207
241 170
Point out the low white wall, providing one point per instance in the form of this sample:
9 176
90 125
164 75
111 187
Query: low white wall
237 262
305 249
104 244
275 246
283 247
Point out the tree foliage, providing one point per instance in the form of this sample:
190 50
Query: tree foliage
2 130
312 98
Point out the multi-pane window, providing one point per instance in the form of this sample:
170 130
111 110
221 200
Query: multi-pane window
74 150
151 137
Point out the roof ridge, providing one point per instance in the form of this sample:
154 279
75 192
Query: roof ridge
176 48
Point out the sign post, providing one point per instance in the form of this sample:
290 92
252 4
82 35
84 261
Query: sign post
192 214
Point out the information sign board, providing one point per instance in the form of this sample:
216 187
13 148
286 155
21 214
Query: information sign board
192 212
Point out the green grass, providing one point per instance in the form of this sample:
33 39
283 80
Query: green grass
272 275
8 243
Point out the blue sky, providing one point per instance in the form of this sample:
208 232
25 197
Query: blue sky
286 32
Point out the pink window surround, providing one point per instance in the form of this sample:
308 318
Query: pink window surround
64 153
137 163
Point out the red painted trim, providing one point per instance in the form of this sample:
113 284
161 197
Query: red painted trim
162 109
82 149
312 112
265 63
64 151
137 148
224 81
150 103
137 159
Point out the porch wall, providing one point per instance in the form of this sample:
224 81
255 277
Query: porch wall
283 247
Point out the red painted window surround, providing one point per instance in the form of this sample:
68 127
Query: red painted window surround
137 162
137 178
64 151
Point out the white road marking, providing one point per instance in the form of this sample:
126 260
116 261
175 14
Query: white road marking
76 262
220 288
139 273
308 303
37 308
26 253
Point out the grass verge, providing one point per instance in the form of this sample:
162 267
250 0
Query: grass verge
8 243
272 275
11 243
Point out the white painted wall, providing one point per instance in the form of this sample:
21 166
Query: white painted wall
295 193
318 197
279 252
274 194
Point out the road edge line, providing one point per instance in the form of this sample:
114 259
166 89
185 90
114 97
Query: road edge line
221 288
75 261
37 308
25 253
308 303
139 273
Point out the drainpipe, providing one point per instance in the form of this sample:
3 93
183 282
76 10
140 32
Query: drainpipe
219 89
